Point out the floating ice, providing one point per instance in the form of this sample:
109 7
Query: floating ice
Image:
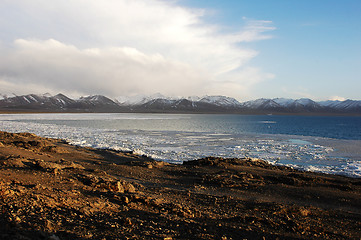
176 146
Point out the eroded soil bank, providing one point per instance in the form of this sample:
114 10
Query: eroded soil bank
52 190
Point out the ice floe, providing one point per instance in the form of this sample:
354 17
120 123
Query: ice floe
176 146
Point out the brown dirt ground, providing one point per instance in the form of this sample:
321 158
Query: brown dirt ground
52 190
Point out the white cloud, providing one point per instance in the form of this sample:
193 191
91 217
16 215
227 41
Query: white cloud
337 98
236 82
255 30
120 47
111 71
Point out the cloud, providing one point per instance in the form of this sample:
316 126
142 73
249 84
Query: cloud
124 47
240 81
337 98
111 71
255 31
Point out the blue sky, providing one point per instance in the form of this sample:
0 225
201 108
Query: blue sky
243 49
315 50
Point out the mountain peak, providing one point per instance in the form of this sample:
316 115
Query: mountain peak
160 103
220 100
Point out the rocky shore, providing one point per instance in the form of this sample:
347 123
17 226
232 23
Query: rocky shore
52 190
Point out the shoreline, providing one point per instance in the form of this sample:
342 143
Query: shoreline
52 190
336 160
353 149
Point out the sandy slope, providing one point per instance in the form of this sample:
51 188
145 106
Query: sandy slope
52 190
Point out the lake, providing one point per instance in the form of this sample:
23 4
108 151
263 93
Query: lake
313 143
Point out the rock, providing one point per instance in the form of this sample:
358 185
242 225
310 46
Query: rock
207 201
119 187
26 134
73 165
128 187
160 164
90 180
14 162
304 212
17 219
34 143
128 221
125 200
49 225
56 171
111 185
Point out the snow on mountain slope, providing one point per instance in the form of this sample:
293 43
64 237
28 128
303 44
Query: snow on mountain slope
261 103
61 99
342 106
220 101
6 96
160 103
348 105
138 99
37 101
329 103
306 102
47 95
284 102
30 98
193 98
97 100
163 101
3 96
142 99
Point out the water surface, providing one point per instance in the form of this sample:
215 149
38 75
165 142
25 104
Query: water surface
326 144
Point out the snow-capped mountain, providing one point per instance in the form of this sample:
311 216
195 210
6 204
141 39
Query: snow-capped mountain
34 101
193 98
59 102
283 102
143 99
305 104
220 101
160 103
179 105
329 103
347 105
261 104
96 103
283 105
3 96
139 99
97 100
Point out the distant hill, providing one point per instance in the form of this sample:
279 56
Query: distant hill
159 103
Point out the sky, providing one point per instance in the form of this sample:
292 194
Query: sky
246 49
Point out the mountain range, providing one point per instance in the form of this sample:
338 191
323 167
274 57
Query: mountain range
160 103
